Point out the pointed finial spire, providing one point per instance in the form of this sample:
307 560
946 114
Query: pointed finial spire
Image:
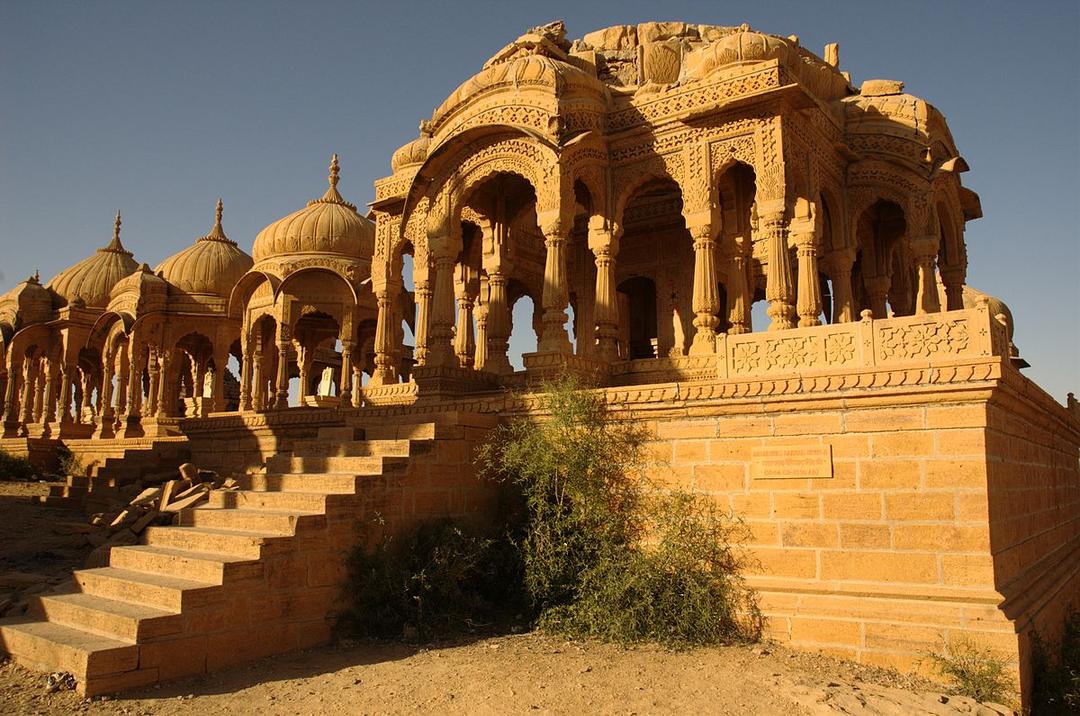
334 171
115 244
217 233
37 275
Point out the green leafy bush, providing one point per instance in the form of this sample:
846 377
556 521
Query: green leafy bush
1056 687
14 468
605 553
437 581
976 672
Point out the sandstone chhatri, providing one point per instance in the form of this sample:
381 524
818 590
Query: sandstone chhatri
905 484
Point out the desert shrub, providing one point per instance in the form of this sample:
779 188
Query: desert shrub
435 581
976 671
1056 678
14 468
69 462
606 554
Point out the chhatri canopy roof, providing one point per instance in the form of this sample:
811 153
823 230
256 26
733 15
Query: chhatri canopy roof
93 278
212 265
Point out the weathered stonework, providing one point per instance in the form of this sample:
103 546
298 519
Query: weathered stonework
904 484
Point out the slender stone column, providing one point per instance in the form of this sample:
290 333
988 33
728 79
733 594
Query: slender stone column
258 384
221 361
358 382
498 326
345 393
134 384
165 391
553 336
39 390
838 266
122 382
925 251
440 348
11 399
247 369
464 340
304 359
953 278
105 408
481 350
29 383
739 293
50 392
706 299
605 247
384 371
778 278
67 373
877 291
808 300
423 295
281 396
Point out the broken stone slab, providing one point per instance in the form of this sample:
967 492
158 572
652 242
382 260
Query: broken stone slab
201 487
189 501
143 522
147 496
189 472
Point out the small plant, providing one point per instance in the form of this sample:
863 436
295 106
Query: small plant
1056 681
976 671
432 583
605 553
69 462
16 469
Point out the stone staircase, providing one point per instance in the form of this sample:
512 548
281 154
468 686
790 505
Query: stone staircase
94 491
251 573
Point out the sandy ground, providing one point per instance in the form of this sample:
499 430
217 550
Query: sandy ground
522 673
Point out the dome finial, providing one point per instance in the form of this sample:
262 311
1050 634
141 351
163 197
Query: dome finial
115 244
335 171
217 233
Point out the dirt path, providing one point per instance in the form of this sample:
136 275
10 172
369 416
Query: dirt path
527 673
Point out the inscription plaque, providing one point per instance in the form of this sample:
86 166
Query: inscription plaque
791 462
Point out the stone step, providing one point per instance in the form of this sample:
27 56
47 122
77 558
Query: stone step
200 566
278 522
56 647
327 483
337 434
238 543
408 431
357 465
112 618
310 502
357 448
153 590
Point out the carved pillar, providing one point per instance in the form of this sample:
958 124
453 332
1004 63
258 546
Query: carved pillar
423 316
281 395
605 247
346 391
925 251
778 279
122 382
67 377
706 299
258 382
553 336
480 354
153 369
808 300
11 394
739 294
29 383
51 378
838 266
953 278
221 360
877 291
39 389
165 392
247 368
385 372
440 352
105 408
358 381
465 293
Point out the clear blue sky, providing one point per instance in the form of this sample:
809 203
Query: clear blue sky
158 108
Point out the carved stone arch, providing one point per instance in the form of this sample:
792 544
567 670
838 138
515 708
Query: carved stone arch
454 161
245 287
302 274
627 180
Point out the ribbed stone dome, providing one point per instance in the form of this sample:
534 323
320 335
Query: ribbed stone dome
212 265
329 225
92 279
